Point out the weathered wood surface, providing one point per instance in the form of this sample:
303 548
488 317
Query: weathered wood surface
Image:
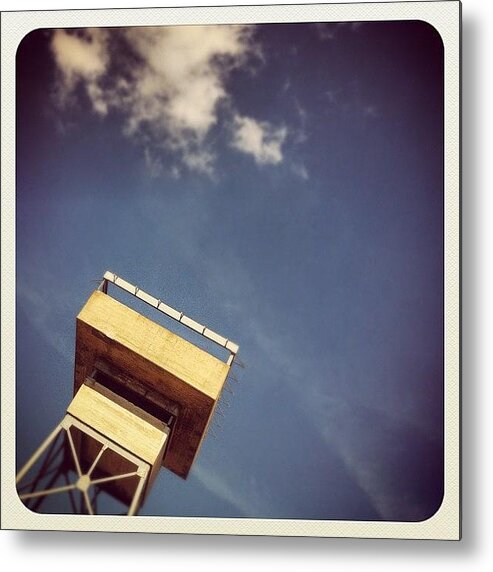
119 421
116 420
110 332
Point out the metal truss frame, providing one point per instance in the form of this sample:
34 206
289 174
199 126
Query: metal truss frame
84 480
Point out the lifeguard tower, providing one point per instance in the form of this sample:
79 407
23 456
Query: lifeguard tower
143 398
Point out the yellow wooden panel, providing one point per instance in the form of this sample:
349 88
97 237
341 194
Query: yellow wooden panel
119 424
155 343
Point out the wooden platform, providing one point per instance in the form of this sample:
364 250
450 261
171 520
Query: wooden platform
159 367
127 434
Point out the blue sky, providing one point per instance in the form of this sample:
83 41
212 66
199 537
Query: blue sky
282 184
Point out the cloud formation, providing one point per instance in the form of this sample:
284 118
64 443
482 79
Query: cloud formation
82 56
170 88
328 30
259 139
219 487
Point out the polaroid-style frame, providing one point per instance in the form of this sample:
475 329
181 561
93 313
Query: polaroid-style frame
445 18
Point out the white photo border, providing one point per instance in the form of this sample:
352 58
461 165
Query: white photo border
445 17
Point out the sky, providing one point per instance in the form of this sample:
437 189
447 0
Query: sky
280 183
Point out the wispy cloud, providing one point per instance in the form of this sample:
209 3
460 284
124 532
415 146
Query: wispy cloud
42 313
327 31
219 486
169 88
300 170
371 442
81 58
350 99
259 139
370 111
383 454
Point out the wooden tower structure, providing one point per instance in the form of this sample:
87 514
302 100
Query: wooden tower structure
143 398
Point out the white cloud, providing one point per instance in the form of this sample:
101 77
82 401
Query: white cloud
201 161
170 91
180 81
81 57
259 139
